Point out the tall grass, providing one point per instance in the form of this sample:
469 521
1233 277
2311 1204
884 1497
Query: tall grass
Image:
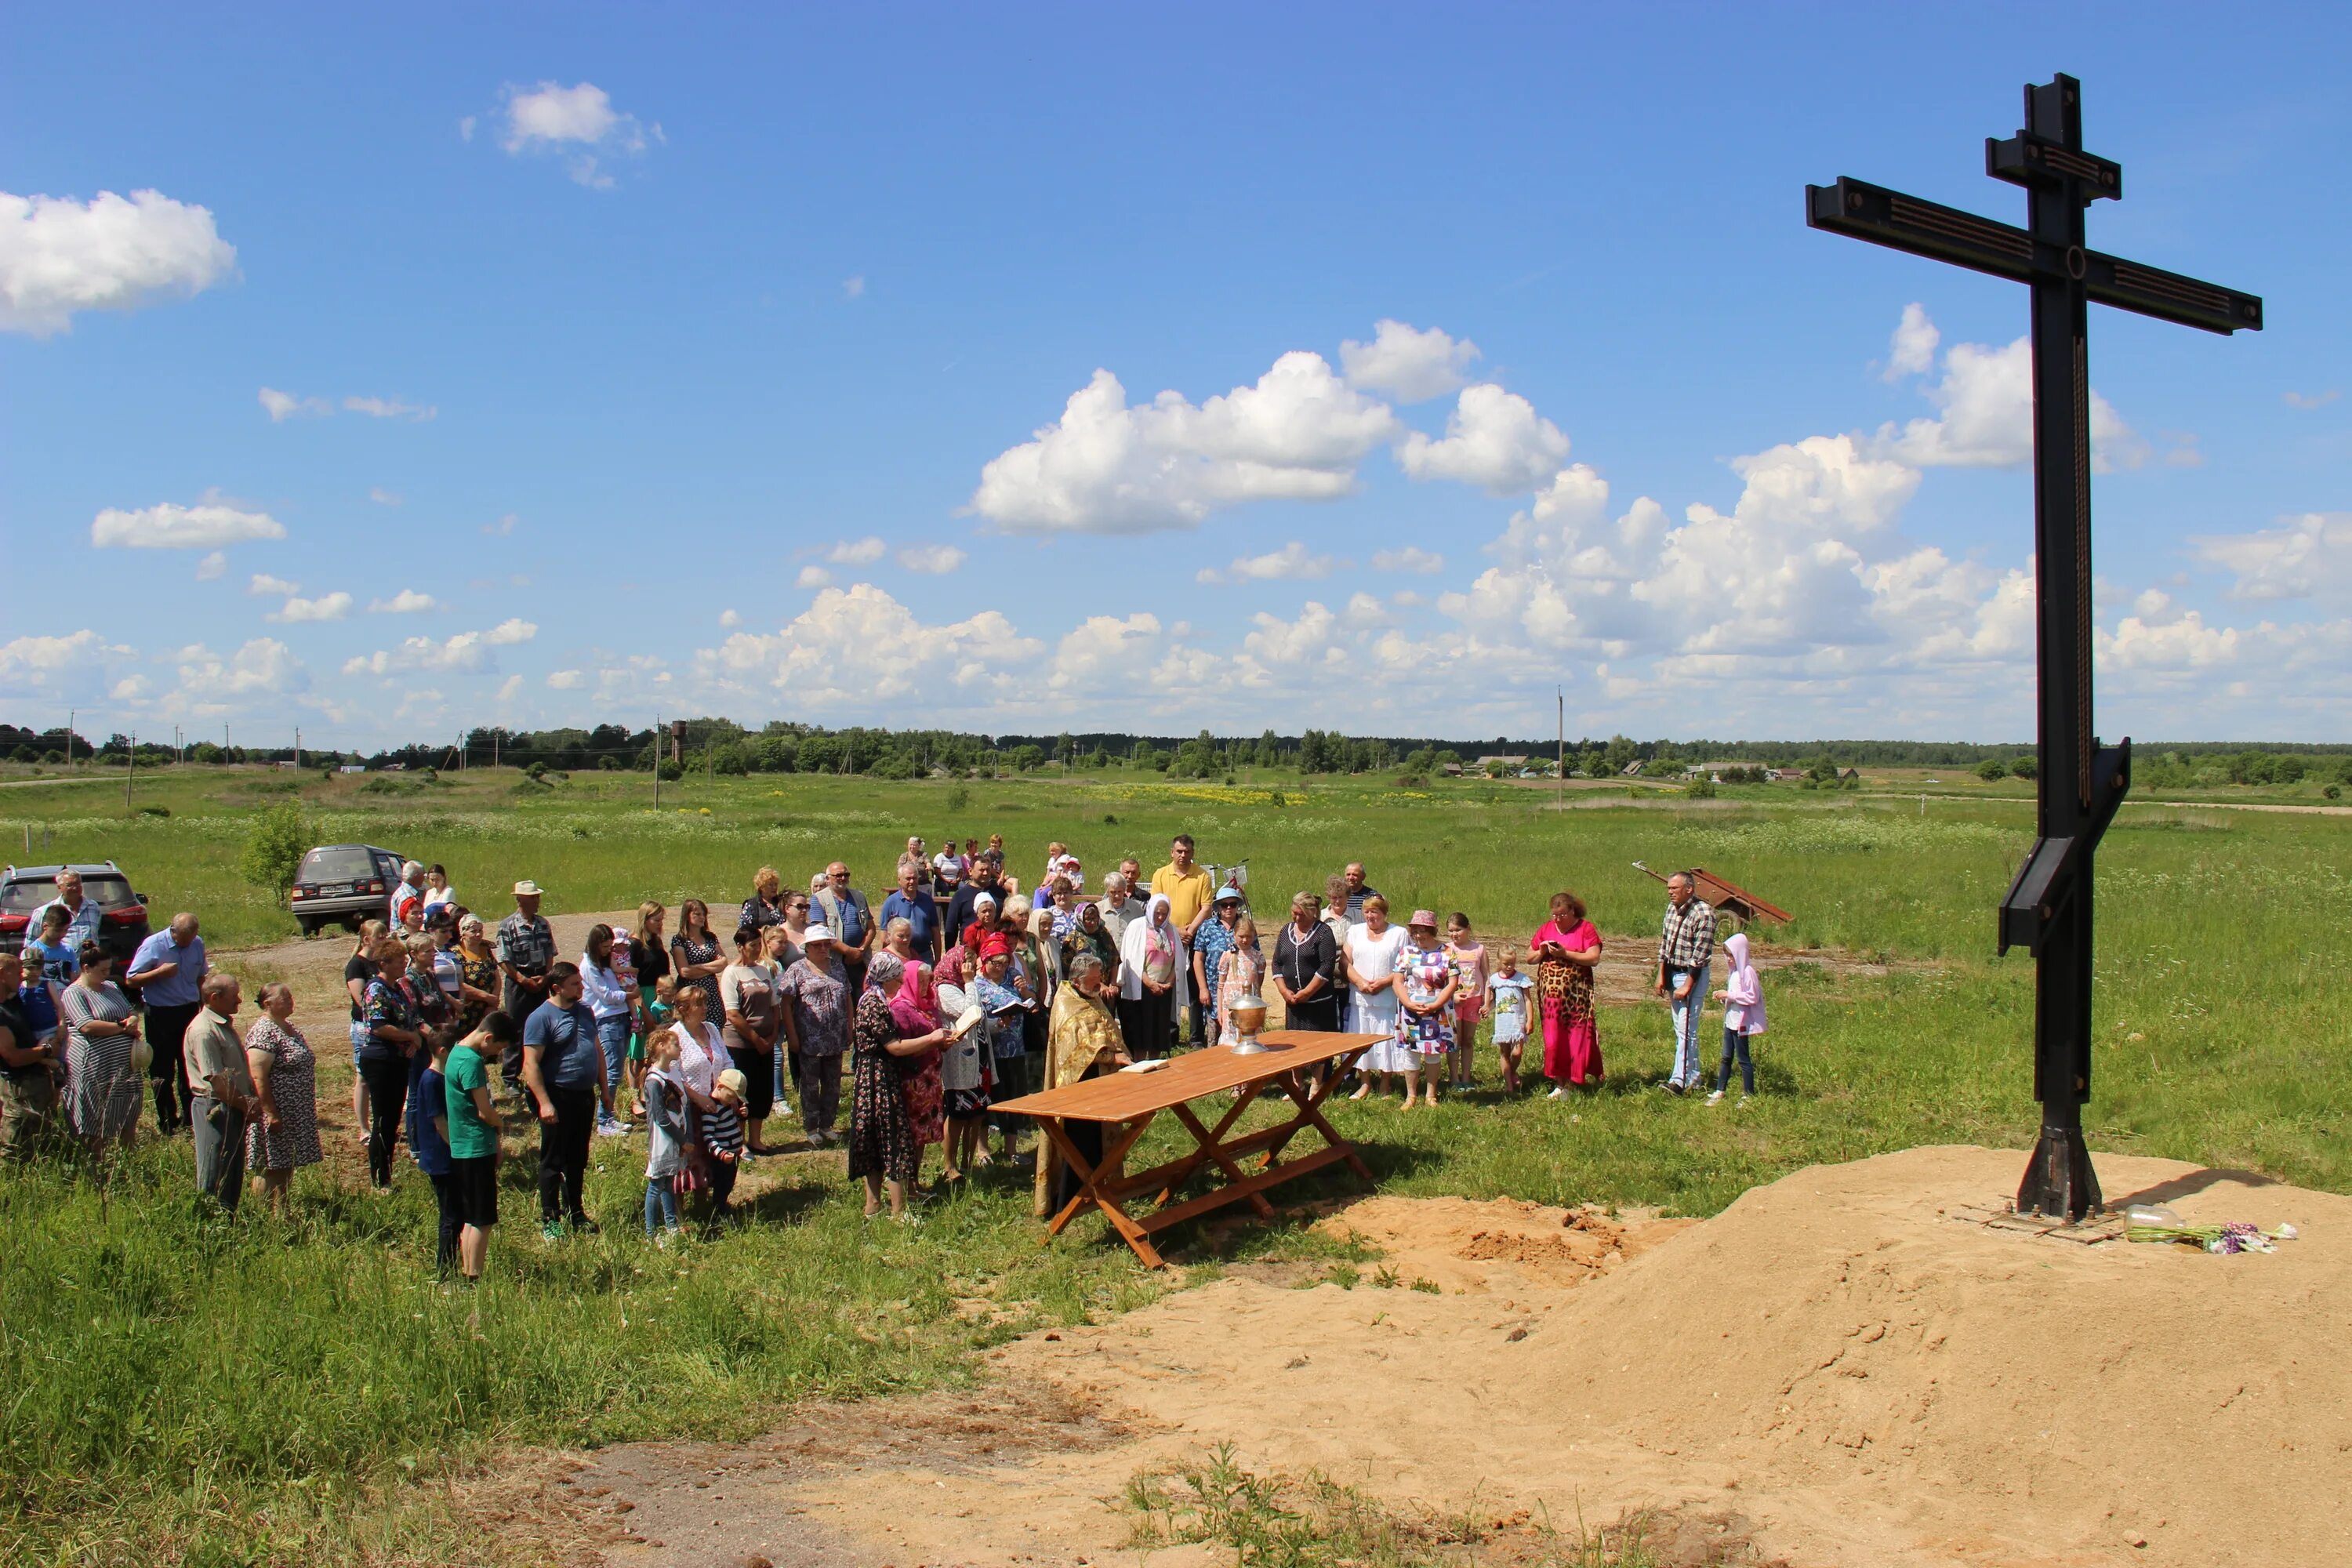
173 1390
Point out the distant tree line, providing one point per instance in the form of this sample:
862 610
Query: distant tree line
724 748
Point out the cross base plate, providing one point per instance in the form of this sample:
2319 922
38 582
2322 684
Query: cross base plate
2058 1180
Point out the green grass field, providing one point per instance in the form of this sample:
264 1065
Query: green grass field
173 1391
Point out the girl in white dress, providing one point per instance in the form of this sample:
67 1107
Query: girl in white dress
1371 959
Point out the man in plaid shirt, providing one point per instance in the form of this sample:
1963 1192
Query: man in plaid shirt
1685 949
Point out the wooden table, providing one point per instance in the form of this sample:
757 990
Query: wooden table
1125 1103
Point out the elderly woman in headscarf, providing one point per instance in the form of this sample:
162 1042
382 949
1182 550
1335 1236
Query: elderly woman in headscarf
1152 987
966 1066
892 1031
920 1083
1092 934
1083 1042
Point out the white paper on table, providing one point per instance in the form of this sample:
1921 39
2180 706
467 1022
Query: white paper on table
1153 1065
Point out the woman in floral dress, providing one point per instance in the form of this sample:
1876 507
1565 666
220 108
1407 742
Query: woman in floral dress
286 1081
1426 984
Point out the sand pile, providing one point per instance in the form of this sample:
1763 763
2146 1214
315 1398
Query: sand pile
1847 1369
1864 1376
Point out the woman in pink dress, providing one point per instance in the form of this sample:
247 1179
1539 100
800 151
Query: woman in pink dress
1564 952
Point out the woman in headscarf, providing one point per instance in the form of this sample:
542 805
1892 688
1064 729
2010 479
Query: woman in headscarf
1042 956
1564 952
892 1029
1083 1042
1153 988
1090 935
920 1079
966 1066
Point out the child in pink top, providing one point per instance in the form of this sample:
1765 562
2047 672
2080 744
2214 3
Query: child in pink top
1743 1018
1468 956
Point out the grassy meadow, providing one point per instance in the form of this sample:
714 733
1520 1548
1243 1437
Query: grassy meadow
175 1391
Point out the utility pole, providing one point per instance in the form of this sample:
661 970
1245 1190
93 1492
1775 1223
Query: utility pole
69 739
131 762
657 761
1559 758
496 736
298 748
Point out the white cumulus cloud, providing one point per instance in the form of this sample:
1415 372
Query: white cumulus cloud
466 651
933 559
1493 439
729 620
2303 558
168 526
272 587
58 255
863 551
212 682
284 405
1104 467
1410 365
566 680
407 602
1986 418
1293 562
213 567
1912 350
812 576
578 122
854 647
64 668
326 607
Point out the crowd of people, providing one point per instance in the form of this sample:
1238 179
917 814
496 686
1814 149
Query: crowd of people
958 995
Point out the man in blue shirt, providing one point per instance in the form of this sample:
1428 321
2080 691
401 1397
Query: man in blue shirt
562 1068
168 970
844 909
913 904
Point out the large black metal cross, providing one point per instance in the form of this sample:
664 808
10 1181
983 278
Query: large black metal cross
2080 783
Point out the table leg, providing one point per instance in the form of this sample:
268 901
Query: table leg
1310 1114
1208 1141
1095 1181
1184 1173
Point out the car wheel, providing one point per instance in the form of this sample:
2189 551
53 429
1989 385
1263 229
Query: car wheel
310 927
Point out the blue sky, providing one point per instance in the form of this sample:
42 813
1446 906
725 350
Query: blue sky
575 365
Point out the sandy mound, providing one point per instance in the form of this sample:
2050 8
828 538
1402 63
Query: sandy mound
1848 1363
1876 1378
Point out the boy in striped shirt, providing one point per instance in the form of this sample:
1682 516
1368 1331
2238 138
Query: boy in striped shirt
722 1138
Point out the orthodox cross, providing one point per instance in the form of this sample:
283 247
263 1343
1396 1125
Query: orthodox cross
2080 783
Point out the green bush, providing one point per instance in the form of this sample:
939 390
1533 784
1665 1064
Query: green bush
1991 768
1702 790
2024 767
273 850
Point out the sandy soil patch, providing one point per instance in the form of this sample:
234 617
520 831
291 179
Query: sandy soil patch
1846 1361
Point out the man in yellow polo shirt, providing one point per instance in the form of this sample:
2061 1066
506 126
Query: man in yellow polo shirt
1190 900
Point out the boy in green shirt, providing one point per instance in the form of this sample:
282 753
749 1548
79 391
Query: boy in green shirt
473 1137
